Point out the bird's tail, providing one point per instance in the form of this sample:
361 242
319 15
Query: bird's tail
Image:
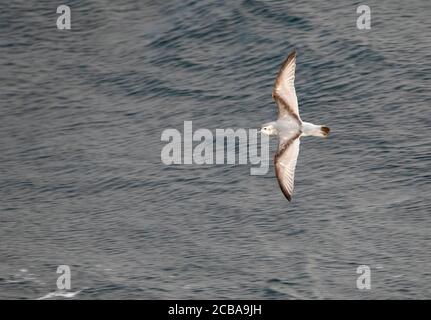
323 132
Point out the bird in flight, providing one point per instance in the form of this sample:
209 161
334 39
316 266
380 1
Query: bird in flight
289 127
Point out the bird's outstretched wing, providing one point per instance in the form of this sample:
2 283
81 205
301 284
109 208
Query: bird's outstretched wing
284 92
285 163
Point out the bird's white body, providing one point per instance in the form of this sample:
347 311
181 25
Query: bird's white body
289 125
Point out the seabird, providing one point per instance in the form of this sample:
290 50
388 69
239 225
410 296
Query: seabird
289 127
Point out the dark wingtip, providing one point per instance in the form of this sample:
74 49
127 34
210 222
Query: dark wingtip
286 194
289 58
292 54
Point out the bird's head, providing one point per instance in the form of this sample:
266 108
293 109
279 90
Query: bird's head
269 129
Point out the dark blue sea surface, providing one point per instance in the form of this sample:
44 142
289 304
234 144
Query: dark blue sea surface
82 182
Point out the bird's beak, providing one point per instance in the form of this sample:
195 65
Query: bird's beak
259 131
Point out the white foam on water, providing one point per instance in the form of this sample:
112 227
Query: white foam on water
64 294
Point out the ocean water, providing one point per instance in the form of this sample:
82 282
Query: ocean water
82 182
